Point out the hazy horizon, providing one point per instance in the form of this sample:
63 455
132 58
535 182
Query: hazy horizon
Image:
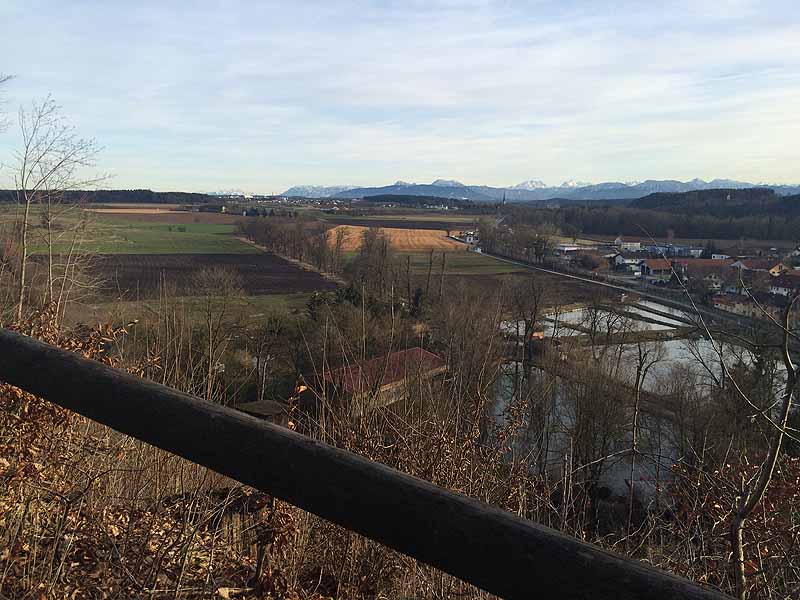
262 97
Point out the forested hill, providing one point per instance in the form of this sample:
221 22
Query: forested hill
722 214
724 203
129 196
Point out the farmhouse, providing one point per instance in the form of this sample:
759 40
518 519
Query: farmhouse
384 380
744 305
623 260
712 272
773 267
469 237
566 249
627 263
657 269
628 245
785 284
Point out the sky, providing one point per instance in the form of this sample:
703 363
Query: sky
259 96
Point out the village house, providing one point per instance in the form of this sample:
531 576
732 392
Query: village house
765 306
624 260
771 266
627 263
470 237
659 269
567 248
785 284
712 272
383 380
628 245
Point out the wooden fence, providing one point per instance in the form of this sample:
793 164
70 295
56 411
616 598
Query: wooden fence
490 548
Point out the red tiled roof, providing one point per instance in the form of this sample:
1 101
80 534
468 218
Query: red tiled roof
760 263
386 369
658 264
705 262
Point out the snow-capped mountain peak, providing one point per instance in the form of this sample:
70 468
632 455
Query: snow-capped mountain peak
572 183
226 193
531 184
448 183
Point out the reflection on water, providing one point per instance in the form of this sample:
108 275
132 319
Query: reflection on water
557 423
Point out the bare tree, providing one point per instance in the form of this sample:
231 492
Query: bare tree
752 492
526 299
217 288
7 244
340 237
749 494
50 162
3 119
647 357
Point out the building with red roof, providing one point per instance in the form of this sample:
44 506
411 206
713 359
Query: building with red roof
384 380
771 266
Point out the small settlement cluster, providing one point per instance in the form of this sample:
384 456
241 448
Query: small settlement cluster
754 282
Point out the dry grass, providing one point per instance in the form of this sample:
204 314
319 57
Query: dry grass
160 215
130 211
401 239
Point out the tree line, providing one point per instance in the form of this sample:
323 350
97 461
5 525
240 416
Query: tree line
640 222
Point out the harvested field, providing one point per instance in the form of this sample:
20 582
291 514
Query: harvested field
403 223
139 275
401 239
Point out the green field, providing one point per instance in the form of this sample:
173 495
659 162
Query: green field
105 235
129 235
460 263
114 236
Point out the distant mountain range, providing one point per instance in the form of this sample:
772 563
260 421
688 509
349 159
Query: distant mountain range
532 190
317 191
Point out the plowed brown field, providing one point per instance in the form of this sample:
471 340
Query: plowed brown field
401 239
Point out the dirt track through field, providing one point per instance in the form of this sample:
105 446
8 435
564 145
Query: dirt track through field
401 239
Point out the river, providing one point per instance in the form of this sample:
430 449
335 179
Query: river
692 363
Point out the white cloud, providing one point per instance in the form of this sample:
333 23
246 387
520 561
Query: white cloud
264 96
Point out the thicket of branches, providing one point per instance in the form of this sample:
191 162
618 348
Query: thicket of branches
85 507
